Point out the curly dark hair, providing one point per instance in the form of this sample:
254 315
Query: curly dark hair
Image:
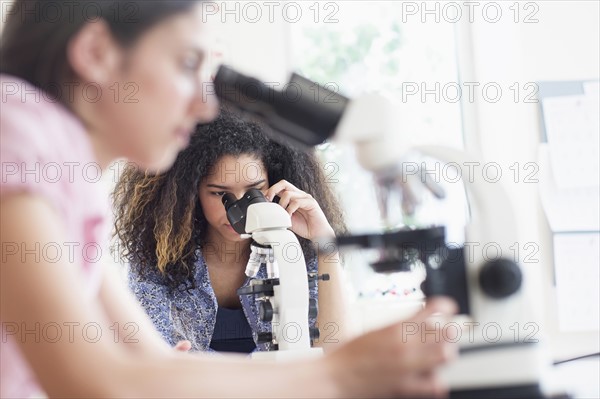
159 219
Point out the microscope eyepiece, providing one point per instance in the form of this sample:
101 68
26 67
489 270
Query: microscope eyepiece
237 209
228 200
254 196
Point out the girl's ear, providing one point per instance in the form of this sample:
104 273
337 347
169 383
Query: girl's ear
93 53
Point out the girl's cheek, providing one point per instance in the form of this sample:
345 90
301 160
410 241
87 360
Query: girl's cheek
185 86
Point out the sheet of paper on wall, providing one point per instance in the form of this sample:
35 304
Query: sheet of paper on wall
570 161
577 268
573 135
567 209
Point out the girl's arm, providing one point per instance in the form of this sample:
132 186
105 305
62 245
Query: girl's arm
86 360
37 292
334 319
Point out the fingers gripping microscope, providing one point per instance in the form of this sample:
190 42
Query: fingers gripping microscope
492 292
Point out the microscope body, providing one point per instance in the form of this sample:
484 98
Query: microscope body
500 352
284 295
500 344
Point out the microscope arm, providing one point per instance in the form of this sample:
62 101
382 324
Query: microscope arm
492 226
371 123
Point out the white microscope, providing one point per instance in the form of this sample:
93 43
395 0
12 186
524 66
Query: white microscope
492 292
283 296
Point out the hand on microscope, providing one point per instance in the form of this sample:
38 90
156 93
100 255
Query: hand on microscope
308 220
398 359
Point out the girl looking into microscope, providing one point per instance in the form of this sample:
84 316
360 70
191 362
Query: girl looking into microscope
187 262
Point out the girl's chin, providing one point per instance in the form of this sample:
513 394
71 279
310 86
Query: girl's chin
158 163
232 235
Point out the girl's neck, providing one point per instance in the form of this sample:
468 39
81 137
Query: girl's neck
102 151
102 146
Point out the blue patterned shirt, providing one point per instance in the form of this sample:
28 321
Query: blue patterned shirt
191 315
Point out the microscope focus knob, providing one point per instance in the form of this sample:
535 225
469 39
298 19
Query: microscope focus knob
264 337
265 311
500 278
313 310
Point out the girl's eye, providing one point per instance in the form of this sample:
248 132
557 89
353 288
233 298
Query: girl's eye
191 64
218 193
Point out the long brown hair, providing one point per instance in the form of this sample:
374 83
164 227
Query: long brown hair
37 34
159 219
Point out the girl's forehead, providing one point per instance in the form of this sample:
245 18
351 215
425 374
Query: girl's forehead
235 161
232 169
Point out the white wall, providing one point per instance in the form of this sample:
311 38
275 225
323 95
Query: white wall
562 45
258 49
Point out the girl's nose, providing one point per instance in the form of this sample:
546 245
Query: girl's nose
205 105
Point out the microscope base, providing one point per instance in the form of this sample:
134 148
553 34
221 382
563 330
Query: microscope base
532 391
497 371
